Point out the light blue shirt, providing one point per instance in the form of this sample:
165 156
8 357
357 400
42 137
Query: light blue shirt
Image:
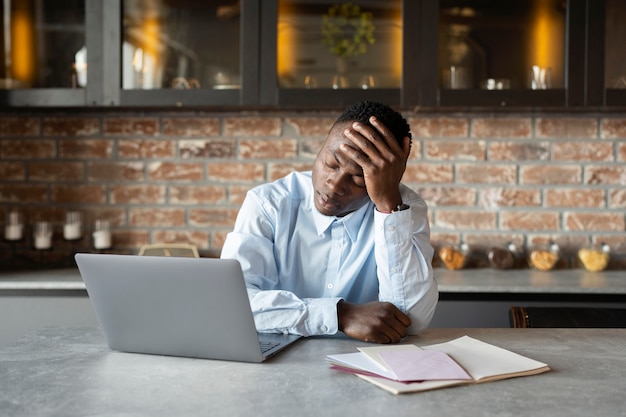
298 264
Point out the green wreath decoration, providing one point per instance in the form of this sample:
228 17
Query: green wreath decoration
347 31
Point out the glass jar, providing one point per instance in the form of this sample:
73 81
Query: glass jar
502 257
595 257
544 257
454 256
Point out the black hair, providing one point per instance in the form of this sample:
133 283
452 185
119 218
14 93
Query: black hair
362 111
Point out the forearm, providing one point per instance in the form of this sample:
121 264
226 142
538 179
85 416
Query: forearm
283 312
404 269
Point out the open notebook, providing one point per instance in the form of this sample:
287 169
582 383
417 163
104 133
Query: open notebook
193 307
477 362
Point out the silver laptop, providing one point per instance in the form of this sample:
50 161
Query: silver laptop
192 307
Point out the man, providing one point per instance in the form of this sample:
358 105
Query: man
344 247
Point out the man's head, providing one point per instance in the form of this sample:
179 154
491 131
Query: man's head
362 111
338 182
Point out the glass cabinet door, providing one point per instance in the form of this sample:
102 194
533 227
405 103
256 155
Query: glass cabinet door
494 45
615 52
189 52
339 45
43 44
181 44
352 48
502 44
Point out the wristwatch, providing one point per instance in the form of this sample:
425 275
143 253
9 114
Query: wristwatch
401 207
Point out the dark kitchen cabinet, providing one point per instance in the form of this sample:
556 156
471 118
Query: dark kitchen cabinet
314 54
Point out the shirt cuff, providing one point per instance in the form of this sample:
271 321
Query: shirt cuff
322 316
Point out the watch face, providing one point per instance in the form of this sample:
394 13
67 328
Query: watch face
402 207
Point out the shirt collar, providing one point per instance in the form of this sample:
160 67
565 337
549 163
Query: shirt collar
351 222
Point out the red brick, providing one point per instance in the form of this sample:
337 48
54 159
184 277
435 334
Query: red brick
428 173
586 222
567 127
197 194
131 126
27 149
48 212
465 219
486 174
439 127
617 198
613 128
252 126
311 126
583 151
116 171
197 238
19 126
237 193
235 171
70 126
621 152
220 217
606 175
455 150
215 148
484 241
175 171
567 243
137 194
416 150
575 197
146 148
23 193
448 196
190 126
157 217
519 151
309 148
115 215
56 171
85 148
217 239
502 127
12 171
268 149
529 220
277 171
438 239
79 194
130 238
494 198
550 174
617 243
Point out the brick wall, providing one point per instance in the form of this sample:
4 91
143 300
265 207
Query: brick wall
180 176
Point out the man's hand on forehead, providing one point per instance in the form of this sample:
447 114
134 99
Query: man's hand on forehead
382 159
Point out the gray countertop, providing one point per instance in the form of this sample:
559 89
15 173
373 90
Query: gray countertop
70 372
485 280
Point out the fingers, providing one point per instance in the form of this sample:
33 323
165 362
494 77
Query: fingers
377 322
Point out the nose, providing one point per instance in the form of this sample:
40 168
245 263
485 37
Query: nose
336 184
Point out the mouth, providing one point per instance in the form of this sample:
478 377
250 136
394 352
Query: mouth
327 203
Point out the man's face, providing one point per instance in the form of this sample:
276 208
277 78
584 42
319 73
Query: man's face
338 181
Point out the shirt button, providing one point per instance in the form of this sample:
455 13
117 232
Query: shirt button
391 228
329 286
324 328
